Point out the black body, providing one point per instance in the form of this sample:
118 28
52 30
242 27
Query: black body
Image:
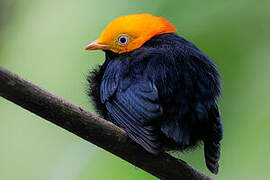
163 94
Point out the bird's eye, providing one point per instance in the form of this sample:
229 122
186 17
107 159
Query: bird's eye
123 40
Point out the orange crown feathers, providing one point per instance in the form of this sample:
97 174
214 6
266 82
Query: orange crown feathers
130 32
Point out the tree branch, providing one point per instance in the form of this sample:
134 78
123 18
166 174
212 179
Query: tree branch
92 128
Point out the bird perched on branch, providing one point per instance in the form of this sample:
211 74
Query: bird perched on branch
157 86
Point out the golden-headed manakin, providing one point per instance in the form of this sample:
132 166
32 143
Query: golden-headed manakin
157 86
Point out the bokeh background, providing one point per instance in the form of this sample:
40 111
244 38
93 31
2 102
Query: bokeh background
44 40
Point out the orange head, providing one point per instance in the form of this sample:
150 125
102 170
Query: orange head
127 33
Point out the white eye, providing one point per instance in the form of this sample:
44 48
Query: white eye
123 40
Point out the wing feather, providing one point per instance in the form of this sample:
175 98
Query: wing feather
136 109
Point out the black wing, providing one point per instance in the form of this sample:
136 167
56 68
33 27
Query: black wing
135 109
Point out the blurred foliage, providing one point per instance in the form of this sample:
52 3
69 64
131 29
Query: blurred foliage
6 11
43 41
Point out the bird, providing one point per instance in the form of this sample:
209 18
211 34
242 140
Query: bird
158 87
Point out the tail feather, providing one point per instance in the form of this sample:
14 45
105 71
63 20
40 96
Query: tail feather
212 155
212 144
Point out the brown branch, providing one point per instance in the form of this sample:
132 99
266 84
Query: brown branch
92 128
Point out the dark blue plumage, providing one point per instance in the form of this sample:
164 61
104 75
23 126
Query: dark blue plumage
163 94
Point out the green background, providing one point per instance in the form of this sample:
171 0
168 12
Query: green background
44 40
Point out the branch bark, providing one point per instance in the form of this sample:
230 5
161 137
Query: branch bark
92 128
